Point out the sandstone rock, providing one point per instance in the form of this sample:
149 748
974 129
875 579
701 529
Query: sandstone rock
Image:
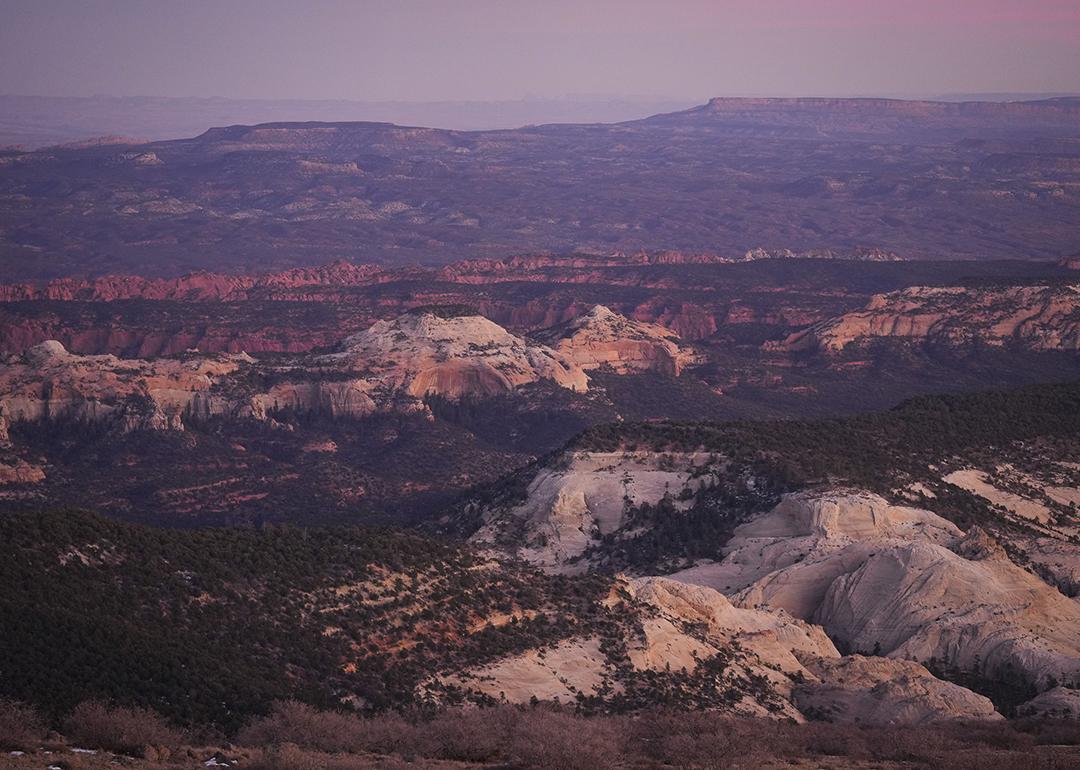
569 506
903 583
426 353
605 338
1058 702
789 556
774 635
868 690
797 668
1034 317
49 382
20 472
391 366
924 602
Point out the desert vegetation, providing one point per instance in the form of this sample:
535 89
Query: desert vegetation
297 736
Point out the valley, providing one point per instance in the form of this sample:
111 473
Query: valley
761 470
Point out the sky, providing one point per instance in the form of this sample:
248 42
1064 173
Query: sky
432 50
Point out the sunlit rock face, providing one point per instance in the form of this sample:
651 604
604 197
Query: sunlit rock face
1033 317
676 629
603 338
900 582
429 353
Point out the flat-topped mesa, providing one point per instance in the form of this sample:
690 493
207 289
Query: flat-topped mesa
603 338
1039 318
434 351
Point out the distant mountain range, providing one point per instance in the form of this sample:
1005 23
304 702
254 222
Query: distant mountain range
922 180
32 122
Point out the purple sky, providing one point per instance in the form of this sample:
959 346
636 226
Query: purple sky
486 49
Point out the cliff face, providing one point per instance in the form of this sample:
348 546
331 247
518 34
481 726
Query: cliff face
391 366
602 338
197 287
426 353
1034 317
48 382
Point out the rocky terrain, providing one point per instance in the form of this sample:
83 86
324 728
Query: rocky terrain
919 179
779 665
602 338
358 628
969 572
733 318
736 410
1029 317
391 365
904 583
422 380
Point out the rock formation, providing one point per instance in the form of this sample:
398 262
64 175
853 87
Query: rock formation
47 382
432 353
870 690
1057 703
569 506
391 366
1033 317
602 337
903 583
774 665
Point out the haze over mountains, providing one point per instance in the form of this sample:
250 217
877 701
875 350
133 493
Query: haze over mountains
32 122
921 179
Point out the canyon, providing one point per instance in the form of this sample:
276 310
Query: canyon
768 407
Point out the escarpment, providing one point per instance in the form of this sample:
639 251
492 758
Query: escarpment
1039 318
392 366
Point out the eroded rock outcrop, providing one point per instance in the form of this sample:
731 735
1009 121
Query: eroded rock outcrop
391 366
571 505
432 353
603 338
48 382
901 582
1056 703
753 662
1033 317
870 690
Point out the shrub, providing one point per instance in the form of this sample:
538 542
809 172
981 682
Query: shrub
293 722
467 735
557 741
21 727
132 731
